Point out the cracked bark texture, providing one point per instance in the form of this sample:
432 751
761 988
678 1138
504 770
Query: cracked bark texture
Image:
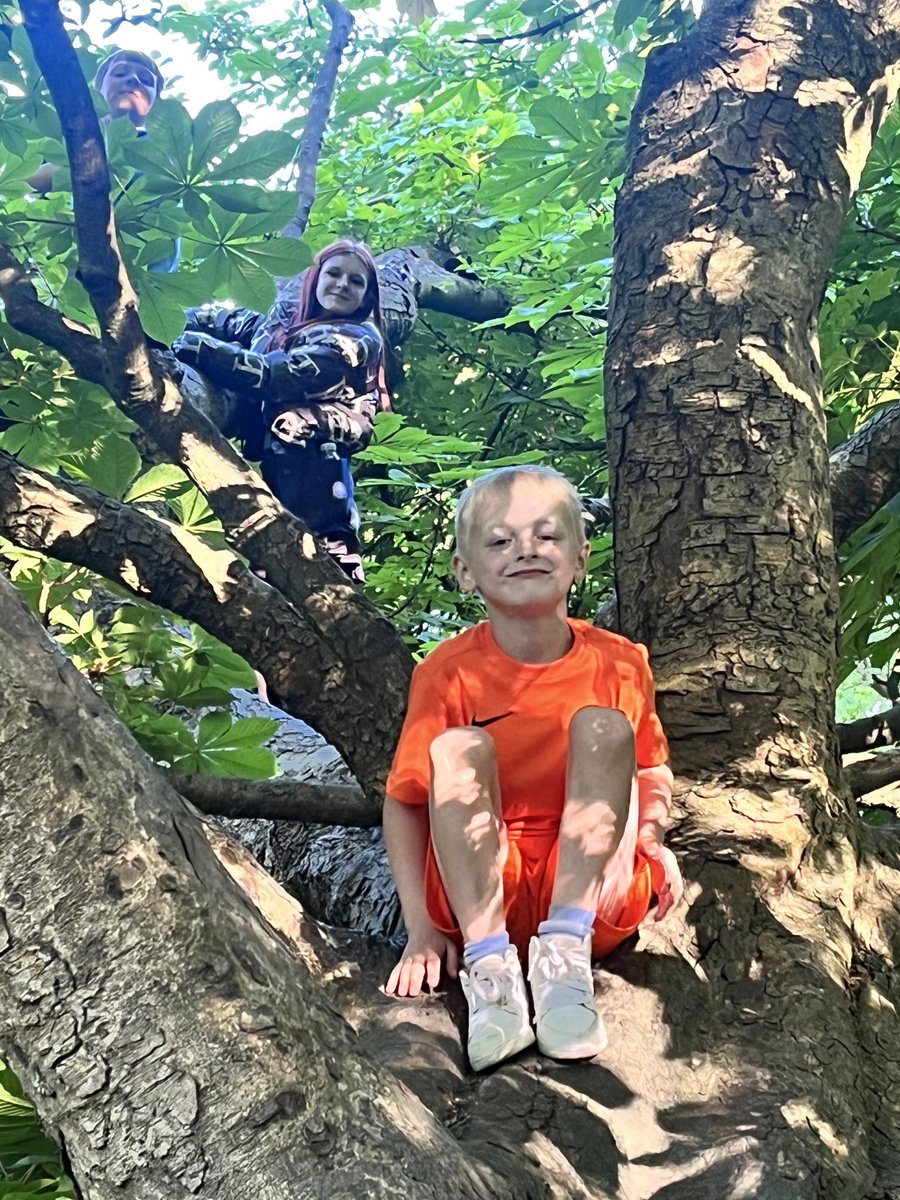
175 1046
746 145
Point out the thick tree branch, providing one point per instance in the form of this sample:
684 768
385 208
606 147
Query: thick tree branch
414 277
868 732
317 118
359 651
237 495
865 471
100 266
872 772
223 1070
165 564
26 313
278 800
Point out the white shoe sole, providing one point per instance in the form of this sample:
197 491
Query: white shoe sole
522 1042
588 1045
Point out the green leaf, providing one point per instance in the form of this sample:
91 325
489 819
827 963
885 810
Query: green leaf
258 157
522 147
239 763
554 117
192 510
212 727
156 483
110 465
214 129
163 299
170 129
279 256
247 198
627 12
231 748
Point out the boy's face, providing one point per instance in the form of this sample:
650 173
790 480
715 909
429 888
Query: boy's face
130 88
521 550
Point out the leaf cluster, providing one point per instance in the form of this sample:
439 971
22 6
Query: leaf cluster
29 1161
861 361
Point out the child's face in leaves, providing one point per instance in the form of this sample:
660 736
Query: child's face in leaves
129 87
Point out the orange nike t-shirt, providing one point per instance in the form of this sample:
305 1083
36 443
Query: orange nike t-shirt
527 709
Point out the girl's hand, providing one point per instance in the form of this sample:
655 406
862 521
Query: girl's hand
420 963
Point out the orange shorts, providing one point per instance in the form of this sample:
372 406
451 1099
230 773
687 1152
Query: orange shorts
528 878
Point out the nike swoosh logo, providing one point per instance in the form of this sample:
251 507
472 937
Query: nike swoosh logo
489 720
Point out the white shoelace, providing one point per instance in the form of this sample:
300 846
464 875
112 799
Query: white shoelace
563 969
491 987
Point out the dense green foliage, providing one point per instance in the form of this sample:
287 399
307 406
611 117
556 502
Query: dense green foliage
29 1162
861 360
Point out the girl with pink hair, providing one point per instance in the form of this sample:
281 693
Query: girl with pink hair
310 377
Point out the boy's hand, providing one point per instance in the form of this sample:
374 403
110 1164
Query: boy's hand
421 963
650 840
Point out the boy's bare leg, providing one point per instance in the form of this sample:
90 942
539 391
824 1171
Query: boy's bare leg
467 831
600 814
469 839
599 819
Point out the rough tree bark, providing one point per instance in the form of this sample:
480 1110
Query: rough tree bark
865 471
176 1047
746 146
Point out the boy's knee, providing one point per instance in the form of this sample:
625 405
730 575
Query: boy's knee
603 728
465 744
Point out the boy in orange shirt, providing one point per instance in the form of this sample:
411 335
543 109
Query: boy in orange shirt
529 793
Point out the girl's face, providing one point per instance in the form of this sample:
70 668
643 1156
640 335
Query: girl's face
342 285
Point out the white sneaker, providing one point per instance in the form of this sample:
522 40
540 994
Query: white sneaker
499 1021
562 990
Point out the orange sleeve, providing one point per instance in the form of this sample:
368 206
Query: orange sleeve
651 747
427 715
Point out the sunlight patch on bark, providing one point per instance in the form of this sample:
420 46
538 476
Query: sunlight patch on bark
768 365
216 566
131 576
801 1113
728 271
721 268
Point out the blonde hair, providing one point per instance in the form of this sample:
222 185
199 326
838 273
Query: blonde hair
502 480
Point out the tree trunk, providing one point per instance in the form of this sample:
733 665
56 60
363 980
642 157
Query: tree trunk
746 150
175 1047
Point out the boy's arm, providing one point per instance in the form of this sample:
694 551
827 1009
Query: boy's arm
654 803
406 834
